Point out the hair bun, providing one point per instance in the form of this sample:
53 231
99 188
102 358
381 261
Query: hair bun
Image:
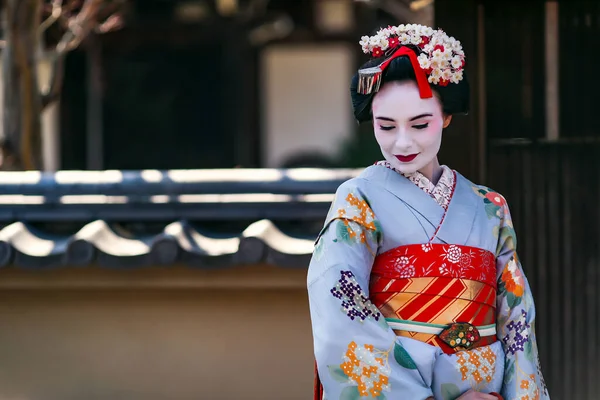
440 56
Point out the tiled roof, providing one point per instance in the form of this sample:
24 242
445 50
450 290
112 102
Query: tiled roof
101 200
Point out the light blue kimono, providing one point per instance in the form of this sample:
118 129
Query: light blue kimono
357 354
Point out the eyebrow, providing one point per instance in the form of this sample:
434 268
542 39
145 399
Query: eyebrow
421 116
412 119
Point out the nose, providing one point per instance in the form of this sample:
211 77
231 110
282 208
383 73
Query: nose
403 140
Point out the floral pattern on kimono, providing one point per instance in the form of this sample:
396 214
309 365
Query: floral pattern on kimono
523 379
356 352
359 356
477 365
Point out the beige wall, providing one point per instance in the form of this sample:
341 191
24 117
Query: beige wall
305 102
83 334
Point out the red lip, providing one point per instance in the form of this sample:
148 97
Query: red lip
407 158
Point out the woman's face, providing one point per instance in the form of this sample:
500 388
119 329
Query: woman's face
407 127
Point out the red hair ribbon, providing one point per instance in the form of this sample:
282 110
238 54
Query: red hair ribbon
424 88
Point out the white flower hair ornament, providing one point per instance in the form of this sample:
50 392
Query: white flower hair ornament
440 62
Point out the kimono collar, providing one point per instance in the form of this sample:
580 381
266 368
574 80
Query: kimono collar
441 192
453 225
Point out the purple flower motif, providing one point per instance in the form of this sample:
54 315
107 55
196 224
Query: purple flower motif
354 302
518 334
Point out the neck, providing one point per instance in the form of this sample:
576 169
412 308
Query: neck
432 171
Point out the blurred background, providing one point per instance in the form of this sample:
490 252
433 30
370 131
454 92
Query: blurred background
168 164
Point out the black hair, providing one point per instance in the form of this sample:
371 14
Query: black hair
454 97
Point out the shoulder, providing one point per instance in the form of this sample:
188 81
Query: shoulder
495 204
352 203
480 190
362 186
489 195
351 199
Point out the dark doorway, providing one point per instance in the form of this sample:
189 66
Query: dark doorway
163 108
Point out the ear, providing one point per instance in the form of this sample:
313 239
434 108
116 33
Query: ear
447 120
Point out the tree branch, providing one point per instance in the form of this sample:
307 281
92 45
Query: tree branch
56 79
79 27
55 15
112 23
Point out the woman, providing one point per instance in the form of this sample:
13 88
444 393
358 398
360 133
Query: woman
416 291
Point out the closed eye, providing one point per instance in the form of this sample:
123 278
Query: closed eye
386 128
421 126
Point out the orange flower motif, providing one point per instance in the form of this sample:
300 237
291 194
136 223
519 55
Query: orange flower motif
513 278
477 365
369 372
489 355
530 389
477 377
358 220
363 237
358 211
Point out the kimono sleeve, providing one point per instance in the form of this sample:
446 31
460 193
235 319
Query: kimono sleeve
516 320
356 352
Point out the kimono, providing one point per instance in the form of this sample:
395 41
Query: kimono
416 291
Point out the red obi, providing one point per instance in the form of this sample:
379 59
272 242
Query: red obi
440 294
